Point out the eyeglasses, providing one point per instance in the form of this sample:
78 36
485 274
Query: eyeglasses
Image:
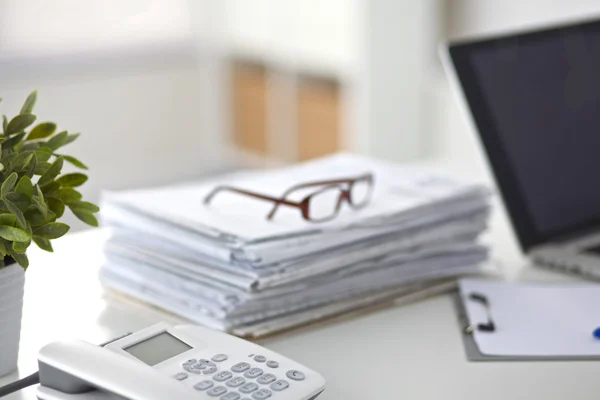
322 205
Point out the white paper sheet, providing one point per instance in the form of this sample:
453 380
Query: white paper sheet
535 320
397 189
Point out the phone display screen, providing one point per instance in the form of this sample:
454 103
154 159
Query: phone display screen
158 348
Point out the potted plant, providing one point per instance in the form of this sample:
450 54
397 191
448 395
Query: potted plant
33 196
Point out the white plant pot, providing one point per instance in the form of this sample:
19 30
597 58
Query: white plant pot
12 285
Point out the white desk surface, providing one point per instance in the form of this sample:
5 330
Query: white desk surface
401 352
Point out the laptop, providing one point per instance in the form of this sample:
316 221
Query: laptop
534 99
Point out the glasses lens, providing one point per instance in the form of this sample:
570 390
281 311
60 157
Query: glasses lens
324 204
360 193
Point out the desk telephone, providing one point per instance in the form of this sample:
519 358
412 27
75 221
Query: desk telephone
165 362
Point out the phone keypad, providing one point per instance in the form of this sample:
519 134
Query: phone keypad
231 383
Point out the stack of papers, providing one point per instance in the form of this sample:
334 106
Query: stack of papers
225 265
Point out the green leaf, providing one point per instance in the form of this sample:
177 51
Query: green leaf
4 123
13 141
8 184
32 166
40 203
56 206
42 131
43 153
31 146
29 229
83 206
1 167
58 140
21 247
35 217
41 167
75 162
13 234
19 123
8 219
71 138
20 200
25 187
51 189
21 259
72 180
29 103
53 230
27 162
21 161
52 172
69 195
86 217
17 213
43 244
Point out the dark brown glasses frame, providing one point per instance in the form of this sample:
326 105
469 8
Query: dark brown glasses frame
304 205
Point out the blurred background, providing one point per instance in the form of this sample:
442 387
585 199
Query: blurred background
170 90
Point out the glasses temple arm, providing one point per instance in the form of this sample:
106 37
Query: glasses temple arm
275 200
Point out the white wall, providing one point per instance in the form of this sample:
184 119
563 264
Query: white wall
127 75
468 17
140 126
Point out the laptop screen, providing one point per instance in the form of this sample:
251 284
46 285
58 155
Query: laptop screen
535 99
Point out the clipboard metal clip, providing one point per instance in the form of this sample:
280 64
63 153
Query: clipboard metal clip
488 326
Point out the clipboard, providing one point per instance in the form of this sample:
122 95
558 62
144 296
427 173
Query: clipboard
474 354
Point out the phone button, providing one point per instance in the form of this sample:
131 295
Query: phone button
266 379
272 364
181 376
295 375
210 370
235 382
253 373
217 391
198 366
190 362
262 394
222 376
248 387
240 367
280 385
231 396
206 384
219 358
260 359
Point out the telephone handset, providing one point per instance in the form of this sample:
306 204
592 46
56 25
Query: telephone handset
172 362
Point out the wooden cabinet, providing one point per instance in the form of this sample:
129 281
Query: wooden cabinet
249 107
318 118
